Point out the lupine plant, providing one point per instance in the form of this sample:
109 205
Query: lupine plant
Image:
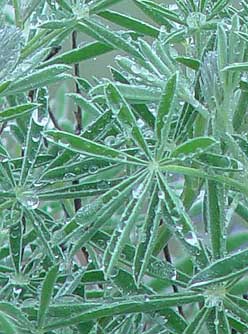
123 200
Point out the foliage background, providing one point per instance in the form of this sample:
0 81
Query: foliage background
123 188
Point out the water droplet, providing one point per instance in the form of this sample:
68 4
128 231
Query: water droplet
140 123
93 169
32 202
161 195
216 322
137 191
114 272
102 185
191 239
174 276
35 139
17 290
136 69
68 176
109 141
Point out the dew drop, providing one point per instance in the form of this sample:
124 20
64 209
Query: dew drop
161 195
136 69
191 239
109 141
137 191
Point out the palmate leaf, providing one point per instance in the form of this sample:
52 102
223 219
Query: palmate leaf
219 271
193 172
148 233
6 324
81 190
165 113
89 51
11 38
195 326
196 145
15 241
155 267
123 229
104 35
109 202
46 295
130 23
99 5
128 226
126 117
215 217
17 111
37 79
123 307
180 223
138 94
151 7
85 146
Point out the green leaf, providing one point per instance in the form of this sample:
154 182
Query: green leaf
219 271
16 314
179 222
238 311
221 162
109 202
149 232
108 37
85 146
10 45
85 104
130 23
125 307
33 144
126 117
122 231
42 232
165 112
70 171
58 24
215 218
37 79
195 326
194 145
86 189
88 51
100 5
6 325
17 111
151 7
237 324
236 67
174 322
192 63
193 172
15 241
46 295
156 267
155 64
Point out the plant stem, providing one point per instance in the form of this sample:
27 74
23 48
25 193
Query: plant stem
174 287
82 256
78 113
18 21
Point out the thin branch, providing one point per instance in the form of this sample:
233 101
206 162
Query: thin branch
53 119
82 255
78 113
174 287
16 6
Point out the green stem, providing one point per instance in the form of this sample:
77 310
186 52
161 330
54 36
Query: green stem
18 20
